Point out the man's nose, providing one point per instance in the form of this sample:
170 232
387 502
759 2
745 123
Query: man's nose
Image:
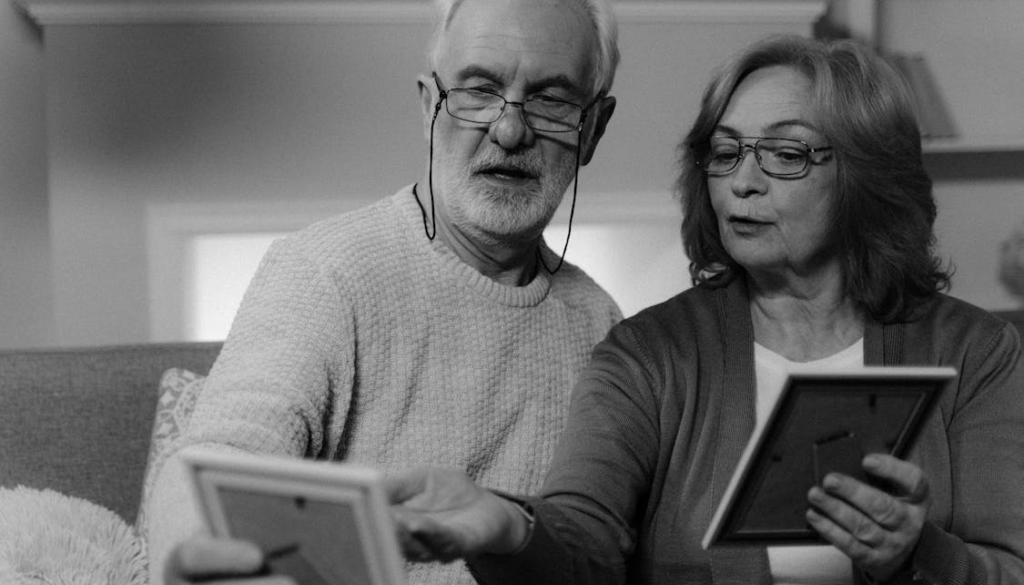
510 130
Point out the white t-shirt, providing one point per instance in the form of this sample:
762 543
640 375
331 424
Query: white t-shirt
802 565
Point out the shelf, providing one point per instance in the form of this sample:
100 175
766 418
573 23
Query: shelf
973 144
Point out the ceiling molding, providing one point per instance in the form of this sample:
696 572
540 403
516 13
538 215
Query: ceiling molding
720 11
104 12
107 12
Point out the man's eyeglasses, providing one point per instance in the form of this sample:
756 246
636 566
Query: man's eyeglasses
542 113
777 157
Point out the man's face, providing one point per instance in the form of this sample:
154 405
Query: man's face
503 181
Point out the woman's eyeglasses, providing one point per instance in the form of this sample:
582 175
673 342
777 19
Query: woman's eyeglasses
777 157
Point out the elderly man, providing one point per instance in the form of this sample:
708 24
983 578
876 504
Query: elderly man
435 326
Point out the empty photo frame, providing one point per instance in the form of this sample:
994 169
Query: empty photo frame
322 523
822 422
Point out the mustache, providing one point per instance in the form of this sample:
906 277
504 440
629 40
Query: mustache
527 163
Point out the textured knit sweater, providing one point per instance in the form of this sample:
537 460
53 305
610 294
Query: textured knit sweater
660 419
361 340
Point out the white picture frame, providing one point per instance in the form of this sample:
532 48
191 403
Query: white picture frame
322 523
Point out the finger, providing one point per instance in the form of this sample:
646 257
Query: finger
412 548
876 560
847 516
848 544
416 550
850 491
231 580
869 501
835 534
204 556
890 513
421 547
412 522
423 539
894 510
869 543
843 541
405 484
444 544
828 529
264 580
907 479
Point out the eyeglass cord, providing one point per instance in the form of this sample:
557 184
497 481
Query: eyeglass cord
433 217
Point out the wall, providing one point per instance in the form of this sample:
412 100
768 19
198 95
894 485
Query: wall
974 50
150 115
149 118
26 308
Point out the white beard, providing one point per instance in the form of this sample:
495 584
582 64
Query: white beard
506 214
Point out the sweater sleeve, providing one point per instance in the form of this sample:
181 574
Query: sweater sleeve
985 541
585 529
284 368
284 377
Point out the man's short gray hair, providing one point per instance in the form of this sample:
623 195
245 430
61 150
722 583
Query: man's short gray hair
602 17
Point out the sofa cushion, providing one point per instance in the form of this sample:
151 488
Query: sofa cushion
79 420
178 392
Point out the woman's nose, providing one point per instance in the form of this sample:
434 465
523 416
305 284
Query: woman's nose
748 179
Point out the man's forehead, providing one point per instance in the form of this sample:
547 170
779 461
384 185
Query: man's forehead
539 39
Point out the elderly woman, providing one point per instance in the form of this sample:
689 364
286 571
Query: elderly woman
808 221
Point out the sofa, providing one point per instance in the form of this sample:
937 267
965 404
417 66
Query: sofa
79 421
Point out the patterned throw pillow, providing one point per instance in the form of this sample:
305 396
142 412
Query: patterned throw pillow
179 391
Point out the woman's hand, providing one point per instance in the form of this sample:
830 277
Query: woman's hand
217 560
440 514
877 529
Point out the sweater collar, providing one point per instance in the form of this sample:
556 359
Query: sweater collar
451 268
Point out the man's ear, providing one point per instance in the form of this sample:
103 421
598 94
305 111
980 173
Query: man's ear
427 100
604 111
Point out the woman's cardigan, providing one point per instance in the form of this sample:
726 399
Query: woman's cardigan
660 417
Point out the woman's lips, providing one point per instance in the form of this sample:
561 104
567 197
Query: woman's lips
746 225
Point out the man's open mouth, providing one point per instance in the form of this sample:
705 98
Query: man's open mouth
507 172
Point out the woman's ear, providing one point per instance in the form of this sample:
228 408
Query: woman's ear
603 112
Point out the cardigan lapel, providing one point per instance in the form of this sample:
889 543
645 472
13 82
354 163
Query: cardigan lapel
746 565
883 343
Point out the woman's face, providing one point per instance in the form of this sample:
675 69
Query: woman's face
775 227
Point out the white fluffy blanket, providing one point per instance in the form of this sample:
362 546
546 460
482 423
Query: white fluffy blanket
47 538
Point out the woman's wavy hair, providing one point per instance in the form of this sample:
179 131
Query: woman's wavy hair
883 209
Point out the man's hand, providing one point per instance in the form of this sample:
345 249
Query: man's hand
877 529
214 561
440 514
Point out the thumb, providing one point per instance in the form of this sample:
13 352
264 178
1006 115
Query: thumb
204 558
406 484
